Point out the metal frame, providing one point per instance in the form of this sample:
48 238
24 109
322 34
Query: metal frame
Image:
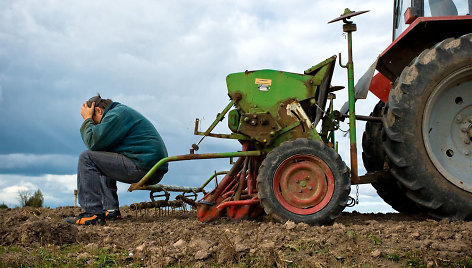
236 193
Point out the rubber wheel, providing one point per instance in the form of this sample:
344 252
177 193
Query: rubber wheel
373 153
303 181
374 158
428 129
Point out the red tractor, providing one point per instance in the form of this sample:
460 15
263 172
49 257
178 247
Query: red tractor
424 82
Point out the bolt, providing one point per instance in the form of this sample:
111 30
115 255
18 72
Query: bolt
463 129
458 119
467 141
300 190
466 152
310 188
297 181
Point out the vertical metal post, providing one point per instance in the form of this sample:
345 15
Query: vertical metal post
348 28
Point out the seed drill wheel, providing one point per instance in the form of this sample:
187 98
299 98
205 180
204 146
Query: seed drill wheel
303 181
374 159
429 129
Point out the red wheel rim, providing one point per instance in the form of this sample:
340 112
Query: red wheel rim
303 184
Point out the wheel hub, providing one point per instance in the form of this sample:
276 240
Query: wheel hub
447 128
465 128
303 184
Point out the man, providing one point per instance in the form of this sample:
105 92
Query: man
123 146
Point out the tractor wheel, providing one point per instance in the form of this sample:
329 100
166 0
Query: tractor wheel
374 159
428 129
303 181
373 153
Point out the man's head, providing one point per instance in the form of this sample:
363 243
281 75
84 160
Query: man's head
100 106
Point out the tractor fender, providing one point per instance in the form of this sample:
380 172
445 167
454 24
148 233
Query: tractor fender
422 34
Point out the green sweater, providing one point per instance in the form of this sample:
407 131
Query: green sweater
125 131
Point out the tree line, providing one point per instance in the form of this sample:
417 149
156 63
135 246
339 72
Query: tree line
28 200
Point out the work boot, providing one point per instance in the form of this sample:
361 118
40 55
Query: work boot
87 219
113 215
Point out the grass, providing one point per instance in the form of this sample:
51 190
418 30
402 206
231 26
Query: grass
65 256
463 263
413 259
307 245
292 247
70 256
352 233
375 240
393 257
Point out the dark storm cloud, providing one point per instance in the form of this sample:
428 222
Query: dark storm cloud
33 164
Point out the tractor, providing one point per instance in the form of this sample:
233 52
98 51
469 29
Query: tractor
417 144
424 83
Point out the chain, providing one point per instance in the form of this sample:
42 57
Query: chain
357 194
351 201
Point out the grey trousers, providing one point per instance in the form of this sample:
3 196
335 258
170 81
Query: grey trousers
97 175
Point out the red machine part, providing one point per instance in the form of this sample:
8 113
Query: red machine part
380 86
245 212
303 184
423 33
235 196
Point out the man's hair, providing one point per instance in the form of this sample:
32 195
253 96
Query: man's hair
99 102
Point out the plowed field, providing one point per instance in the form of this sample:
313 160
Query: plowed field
40 237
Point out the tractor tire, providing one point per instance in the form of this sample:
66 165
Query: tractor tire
428 129
374 158
303 181
373 153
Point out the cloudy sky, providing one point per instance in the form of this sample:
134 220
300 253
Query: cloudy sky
166 59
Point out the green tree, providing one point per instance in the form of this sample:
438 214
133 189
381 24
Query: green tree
3 205
27 200
23 197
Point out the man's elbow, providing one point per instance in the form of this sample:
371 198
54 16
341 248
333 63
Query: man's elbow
91 145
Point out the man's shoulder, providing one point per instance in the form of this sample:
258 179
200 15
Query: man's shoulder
117 105
125 111
116 108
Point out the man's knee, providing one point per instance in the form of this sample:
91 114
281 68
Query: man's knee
157 177
84 156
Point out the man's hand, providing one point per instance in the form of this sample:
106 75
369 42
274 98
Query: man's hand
87 112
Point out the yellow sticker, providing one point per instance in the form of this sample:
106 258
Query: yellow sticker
262 81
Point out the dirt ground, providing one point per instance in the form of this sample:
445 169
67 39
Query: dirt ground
179 239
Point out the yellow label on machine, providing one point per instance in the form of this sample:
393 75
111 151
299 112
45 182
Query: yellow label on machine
262 81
